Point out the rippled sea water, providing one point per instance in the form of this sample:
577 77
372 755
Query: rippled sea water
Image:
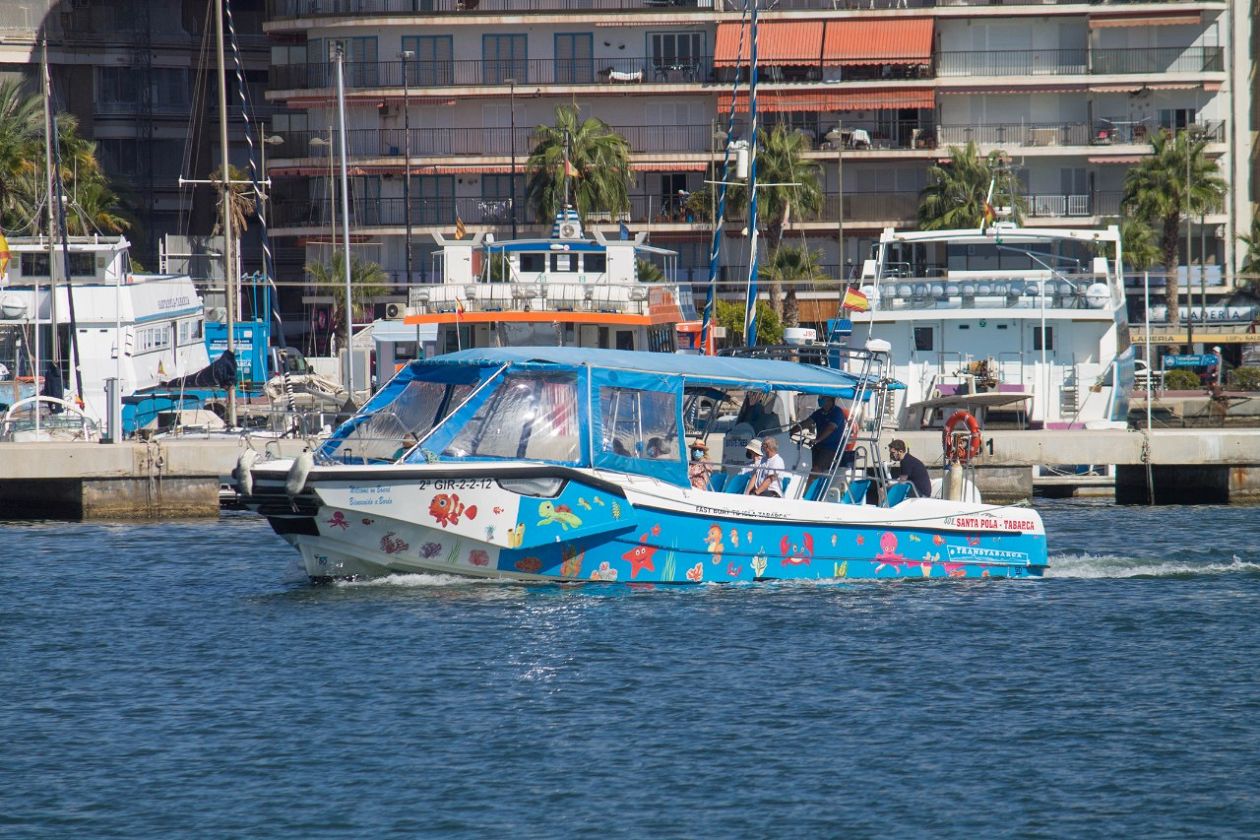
182 679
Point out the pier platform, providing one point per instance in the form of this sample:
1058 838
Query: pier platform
181 477
178 477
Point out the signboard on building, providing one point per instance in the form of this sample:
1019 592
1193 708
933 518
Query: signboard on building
1189 360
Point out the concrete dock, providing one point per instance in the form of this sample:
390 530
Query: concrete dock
181 477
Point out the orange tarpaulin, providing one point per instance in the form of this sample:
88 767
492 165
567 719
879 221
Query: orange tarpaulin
836 100
778 43
907 41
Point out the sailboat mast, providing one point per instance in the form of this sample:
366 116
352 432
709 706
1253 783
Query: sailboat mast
229 260
45 84
750 312
340 54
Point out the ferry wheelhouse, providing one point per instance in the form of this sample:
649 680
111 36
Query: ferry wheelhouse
572 464
566 290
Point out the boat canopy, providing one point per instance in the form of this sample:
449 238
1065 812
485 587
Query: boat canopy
608 409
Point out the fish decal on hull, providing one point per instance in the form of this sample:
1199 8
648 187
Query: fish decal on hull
447 509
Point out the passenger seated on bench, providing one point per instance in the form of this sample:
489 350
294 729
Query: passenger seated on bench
769 473
698 469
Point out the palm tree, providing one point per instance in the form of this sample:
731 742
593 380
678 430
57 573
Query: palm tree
95 208
1137 242
1251 259
1156 191
599 177
240 201
648 271
791 181
957 191
792 266
367 281
21 131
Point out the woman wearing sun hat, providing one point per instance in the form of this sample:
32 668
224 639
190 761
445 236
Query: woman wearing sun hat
698 469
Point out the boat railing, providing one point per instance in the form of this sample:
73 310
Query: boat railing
1063 291
599 297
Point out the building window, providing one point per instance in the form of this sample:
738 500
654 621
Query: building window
433 63
671 49
1049 338
34 265
1175 119
595 263
923 339
533 263
82 265
574 58
504 57
360 66
564 262
433 199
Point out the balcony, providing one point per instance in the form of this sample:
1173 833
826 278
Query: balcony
292 9
1080 61
490 142
1108 131
617 72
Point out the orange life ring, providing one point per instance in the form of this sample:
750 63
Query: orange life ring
966 451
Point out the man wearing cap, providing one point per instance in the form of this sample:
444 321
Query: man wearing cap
698 469
1216 370
912 469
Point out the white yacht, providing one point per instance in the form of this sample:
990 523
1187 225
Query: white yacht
1023 327
156 318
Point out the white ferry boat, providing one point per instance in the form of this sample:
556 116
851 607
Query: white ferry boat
156 318
1023 327
568 290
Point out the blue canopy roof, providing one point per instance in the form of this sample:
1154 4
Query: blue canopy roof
769 374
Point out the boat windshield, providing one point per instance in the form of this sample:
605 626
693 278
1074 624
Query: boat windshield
531 416
639 424
391 430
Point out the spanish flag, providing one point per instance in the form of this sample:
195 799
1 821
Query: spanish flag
5 255
855 300
989 215
460 230
570 170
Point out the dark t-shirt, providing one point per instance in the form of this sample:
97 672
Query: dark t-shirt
821 418
913 470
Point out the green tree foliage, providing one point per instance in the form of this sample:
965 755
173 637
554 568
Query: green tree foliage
1155 191
956 191
1251 258
648 272
1180 379
792 267
367 282
92 204
730 314
791 188
600 160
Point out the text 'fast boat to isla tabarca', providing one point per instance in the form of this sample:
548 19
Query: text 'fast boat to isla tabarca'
568 464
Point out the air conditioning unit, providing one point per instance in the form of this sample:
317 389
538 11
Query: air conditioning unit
216 314
394 311
568 230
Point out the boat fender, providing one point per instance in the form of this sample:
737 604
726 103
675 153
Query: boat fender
245 478
971 448
295 482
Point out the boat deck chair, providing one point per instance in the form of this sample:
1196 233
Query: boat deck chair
737 483
855 493
716 481
898 492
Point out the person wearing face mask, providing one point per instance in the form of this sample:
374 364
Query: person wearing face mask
698 469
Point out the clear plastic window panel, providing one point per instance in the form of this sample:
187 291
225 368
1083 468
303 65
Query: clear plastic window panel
529 416
396 427
639 424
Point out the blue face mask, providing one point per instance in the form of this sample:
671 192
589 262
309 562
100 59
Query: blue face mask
697 454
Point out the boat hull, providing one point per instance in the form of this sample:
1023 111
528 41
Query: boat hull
446 520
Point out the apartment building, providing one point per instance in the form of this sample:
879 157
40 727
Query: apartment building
139 76
1071 91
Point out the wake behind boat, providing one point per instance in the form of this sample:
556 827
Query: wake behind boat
568 464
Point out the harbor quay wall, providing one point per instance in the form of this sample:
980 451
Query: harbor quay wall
1185 466
175 478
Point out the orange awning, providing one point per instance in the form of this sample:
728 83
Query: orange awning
1004 91
1138 87
890 41
778 43
836 100
1117 19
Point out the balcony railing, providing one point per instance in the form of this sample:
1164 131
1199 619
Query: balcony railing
1079 61
620 71
391 142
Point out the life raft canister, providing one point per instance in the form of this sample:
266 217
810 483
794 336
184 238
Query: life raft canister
965 452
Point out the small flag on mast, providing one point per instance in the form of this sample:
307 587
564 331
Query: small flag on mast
623 231
855 300
570 170
5 255
460 230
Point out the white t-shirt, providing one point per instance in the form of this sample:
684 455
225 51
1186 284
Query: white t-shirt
769 467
